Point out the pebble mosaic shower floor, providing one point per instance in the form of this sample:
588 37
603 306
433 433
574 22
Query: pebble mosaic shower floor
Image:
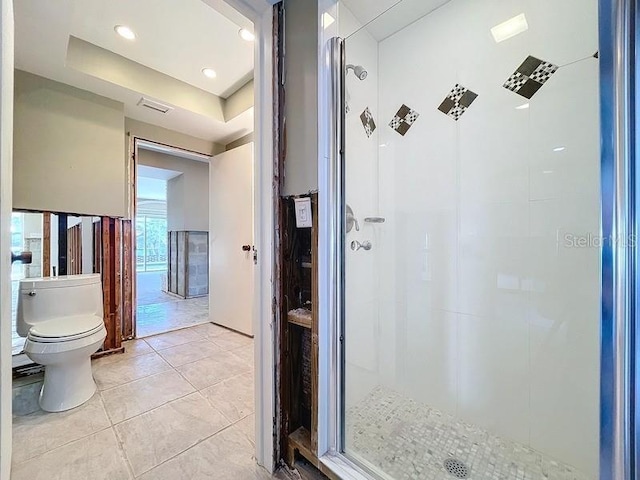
411 441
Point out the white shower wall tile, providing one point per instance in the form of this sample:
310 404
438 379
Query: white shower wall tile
429 357
564 379
559 120
481 313
361 382
491 277
553 40
493 373
362 333
361 171
426 259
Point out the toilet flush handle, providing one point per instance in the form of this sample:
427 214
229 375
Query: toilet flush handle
32 293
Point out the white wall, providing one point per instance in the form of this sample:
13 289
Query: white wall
301 93
187 194
482 314
68 149
363 366
153 133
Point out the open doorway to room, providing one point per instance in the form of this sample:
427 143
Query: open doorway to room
98 95
171 240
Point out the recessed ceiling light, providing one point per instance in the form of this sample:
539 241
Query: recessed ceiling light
327 20
559 149
246 35
209 72
524 106
125 32
510 28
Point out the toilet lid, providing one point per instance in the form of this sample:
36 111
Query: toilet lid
66 328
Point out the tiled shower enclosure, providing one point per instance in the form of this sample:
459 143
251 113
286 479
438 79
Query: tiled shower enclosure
472 166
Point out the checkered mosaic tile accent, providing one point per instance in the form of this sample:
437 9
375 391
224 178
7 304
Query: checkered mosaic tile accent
457 102
403 120
367 122
530 76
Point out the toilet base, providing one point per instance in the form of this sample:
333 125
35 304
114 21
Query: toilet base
67 386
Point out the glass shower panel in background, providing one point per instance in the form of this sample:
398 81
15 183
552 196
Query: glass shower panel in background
472 173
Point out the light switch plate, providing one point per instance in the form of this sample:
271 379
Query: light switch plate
304 218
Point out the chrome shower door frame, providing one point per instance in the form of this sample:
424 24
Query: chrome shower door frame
620 366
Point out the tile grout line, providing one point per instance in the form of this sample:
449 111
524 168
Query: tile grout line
198 443
114 424
121 450
209 356
63 445
140 378
76 439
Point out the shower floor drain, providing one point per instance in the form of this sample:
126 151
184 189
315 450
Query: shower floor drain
456 468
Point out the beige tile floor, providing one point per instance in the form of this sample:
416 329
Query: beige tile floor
159 312
173 406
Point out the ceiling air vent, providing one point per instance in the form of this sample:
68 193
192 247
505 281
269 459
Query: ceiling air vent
153 105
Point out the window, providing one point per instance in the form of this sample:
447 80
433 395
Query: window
151 243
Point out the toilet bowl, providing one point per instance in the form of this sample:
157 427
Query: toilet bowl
61 318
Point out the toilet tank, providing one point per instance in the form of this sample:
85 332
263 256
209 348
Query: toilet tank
43 299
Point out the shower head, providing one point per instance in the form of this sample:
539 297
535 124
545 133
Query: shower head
359 71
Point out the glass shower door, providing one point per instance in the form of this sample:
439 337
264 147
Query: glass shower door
472 240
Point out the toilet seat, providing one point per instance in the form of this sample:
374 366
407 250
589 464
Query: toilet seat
65 329
39 345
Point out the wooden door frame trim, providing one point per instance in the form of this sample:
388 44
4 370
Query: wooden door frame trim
132 269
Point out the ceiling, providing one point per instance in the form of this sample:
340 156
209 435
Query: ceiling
155 173
177 38
383 18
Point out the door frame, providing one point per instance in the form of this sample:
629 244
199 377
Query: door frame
260 12
6 203
135 144
620 222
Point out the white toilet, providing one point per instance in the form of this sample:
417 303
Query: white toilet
62 319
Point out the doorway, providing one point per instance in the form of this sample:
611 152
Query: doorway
171 239
260 12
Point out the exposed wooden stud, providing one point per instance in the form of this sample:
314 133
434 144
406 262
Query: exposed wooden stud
97 246
74 250
128 313
132 285
117 283
301 317
107 283
300 441
105 353
314 324
280 307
